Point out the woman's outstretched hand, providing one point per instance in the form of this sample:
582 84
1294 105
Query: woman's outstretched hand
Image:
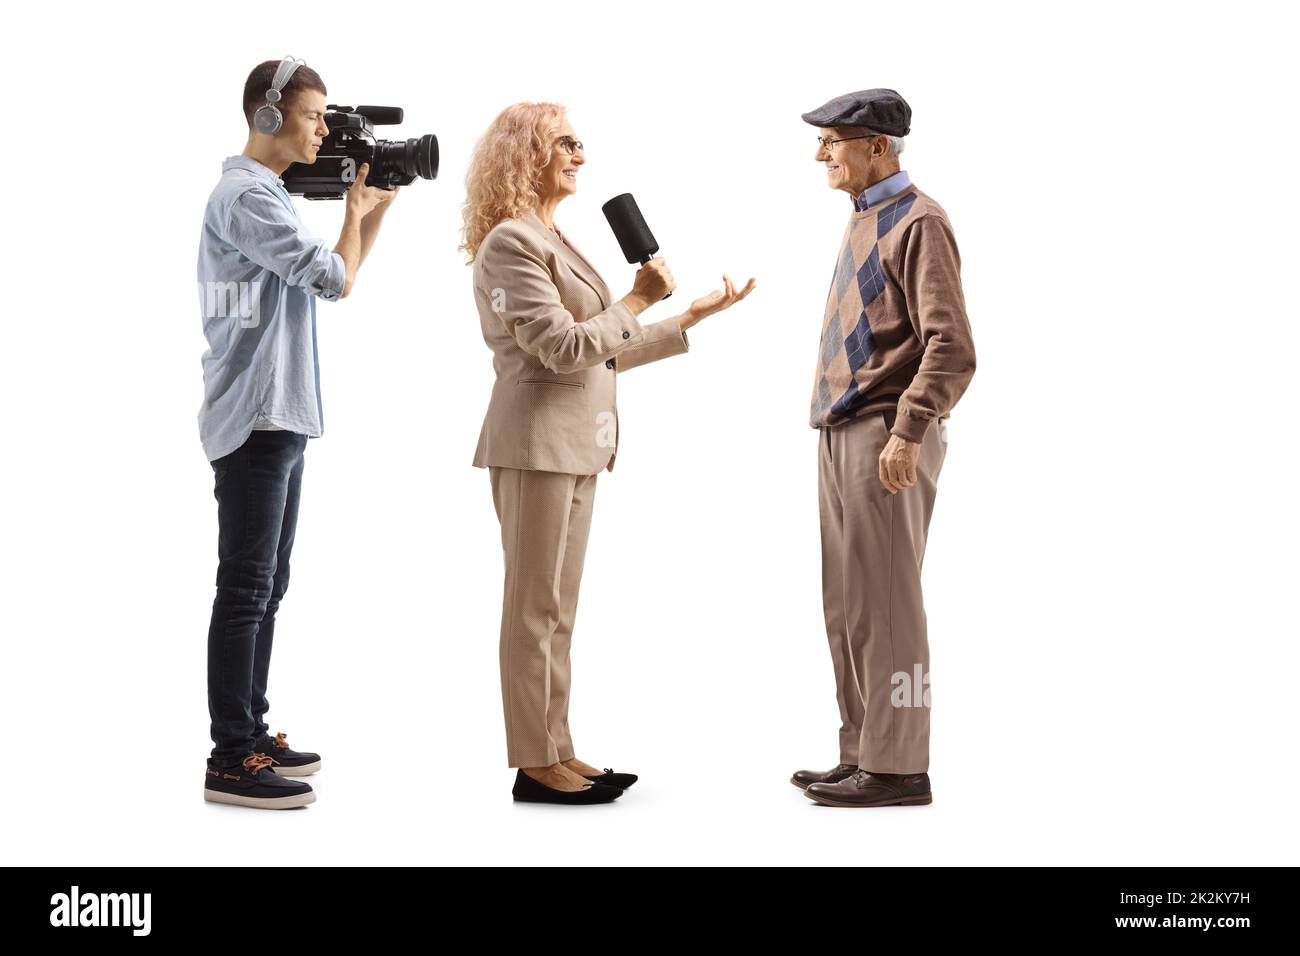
715 301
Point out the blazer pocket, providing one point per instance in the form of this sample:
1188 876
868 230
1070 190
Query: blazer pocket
542 381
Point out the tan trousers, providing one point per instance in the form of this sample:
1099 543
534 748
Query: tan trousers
873 545
545 518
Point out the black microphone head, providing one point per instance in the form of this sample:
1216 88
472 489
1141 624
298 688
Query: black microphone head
634 236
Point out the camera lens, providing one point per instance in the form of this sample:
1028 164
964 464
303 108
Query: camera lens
423 155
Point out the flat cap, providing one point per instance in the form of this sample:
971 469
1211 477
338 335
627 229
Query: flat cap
881 110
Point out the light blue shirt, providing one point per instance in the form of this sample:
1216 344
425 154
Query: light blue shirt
887 188
259 273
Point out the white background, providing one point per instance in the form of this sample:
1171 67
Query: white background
1112 553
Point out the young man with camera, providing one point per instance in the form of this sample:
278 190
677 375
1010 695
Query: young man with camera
259 276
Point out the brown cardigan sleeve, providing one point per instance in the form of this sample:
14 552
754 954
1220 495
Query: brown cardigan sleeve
931 280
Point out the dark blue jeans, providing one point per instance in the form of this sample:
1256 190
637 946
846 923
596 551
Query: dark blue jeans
257 489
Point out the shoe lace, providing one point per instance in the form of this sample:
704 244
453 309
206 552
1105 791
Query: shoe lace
281 740
256 763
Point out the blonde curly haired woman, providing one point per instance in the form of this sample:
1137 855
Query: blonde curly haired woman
558 342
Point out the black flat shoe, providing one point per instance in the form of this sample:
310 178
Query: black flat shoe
288 763
534 791
611 779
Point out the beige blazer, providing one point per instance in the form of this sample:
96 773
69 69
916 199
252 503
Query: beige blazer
558 341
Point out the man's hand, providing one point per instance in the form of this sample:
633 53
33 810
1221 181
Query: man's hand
361 220
363 199
898 464
386 197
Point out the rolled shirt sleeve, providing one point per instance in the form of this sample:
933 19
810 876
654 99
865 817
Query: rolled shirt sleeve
513 273
264 230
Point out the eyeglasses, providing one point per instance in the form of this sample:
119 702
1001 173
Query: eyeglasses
569 145
827 144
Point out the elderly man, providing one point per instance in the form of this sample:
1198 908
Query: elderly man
896 355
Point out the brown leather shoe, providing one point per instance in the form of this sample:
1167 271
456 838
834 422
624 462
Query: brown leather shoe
802 778
864 789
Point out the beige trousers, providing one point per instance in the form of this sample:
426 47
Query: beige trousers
545 518
873 545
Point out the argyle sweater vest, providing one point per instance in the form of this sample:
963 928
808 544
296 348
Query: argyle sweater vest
895 333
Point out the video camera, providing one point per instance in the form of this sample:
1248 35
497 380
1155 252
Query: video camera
351 141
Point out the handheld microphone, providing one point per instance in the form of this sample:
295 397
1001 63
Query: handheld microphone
634 236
